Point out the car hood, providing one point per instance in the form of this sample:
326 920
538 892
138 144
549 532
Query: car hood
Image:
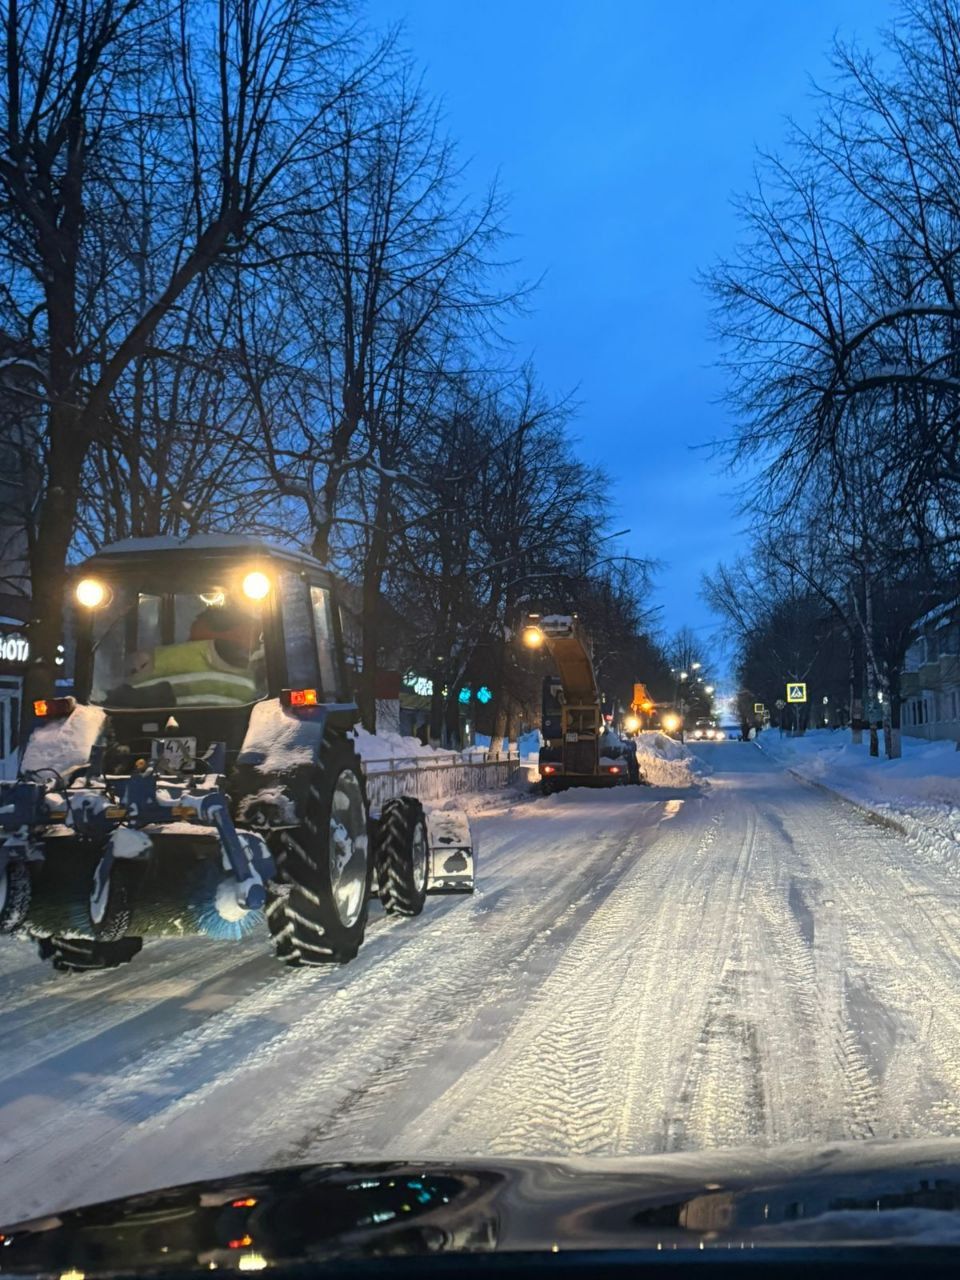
871 1193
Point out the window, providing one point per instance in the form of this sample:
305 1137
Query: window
298 632
326 641
183 648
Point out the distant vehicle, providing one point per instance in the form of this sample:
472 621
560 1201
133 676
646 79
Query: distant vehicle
579 750
672 725
706 731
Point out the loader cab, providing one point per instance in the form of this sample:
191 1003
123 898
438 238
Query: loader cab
186 637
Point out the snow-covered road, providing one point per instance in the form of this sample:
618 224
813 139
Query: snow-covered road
752 963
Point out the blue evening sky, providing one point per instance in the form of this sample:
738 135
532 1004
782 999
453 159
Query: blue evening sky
620 129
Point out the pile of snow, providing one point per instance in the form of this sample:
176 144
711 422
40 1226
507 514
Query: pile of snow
919 792
665 762
277 740
384 748
64 744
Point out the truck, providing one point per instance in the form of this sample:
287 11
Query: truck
202 778
579 748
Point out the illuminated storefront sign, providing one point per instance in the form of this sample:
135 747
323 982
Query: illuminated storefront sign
14 647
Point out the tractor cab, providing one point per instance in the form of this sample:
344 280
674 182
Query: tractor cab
178 641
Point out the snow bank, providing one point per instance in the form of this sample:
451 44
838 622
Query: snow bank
386 747
919 792
665 762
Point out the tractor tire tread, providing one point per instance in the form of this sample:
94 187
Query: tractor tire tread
398 893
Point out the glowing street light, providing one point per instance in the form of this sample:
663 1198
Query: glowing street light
92 593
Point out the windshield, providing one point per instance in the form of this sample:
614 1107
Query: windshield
529 722
200 648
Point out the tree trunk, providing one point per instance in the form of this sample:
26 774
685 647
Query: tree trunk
855 701
496 751
894 738
48 554
451 720
373 569
436 708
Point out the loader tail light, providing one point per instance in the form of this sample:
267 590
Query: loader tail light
548 768
614 768
299 697
53 708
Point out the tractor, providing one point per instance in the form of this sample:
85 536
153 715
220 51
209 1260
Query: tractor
203 778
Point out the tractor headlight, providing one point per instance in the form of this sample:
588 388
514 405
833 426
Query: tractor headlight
256 585
532 637
631 724
92 593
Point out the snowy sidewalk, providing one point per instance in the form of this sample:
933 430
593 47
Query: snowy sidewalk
919 793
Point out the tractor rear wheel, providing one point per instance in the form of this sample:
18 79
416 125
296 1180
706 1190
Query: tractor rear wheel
402 856
317 912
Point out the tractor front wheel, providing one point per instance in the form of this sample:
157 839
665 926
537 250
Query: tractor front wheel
14 895
317 912
79 955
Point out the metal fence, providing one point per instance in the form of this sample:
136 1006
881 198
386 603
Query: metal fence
438 779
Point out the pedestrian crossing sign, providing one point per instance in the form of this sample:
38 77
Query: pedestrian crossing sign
796 693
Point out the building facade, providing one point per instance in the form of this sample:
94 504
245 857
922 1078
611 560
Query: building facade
930 682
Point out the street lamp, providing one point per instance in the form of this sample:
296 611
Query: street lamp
696 665
683 675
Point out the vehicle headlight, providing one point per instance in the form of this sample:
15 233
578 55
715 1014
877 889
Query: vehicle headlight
92 593
256 585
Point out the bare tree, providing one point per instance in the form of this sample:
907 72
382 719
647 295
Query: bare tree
231 114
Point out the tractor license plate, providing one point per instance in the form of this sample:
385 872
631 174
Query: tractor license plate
170 755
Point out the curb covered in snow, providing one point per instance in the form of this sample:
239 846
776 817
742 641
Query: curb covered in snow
931 822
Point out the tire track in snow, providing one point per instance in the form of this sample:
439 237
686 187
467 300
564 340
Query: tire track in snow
911 955
75 1009
558 1083
314 1034
485 994
712 1091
